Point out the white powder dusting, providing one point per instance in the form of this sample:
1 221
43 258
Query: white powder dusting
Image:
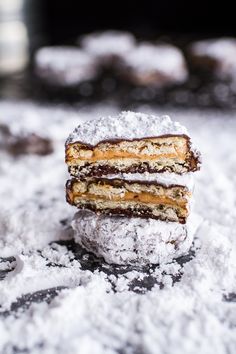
127 125
32 187
164 59
65 65
223 48
138 241
99 313
103 44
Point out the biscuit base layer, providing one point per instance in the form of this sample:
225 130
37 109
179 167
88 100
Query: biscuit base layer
132 240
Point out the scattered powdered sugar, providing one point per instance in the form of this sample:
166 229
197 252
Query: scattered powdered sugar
33 187
127 125
100 311
32 273
7 266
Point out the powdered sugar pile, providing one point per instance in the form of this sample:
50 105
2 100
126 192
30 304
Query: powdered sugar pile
128 125
102 311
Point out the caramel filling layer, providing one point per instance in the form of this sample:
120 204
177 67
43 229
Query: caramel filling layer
109 155
147 149
143 197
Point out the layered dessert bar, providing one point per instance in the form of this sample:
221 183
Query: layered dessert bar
133 196
130 143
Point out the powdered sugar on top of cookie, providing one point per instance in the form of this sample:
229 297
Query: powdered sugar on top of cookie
108 43
65 65
165 59
223 48
127 125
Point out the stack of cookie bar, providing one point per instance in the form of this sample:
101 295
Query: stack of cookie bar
132 179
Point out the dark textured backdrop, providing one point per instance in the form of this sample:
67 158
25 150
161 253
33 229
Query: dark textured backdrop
63 20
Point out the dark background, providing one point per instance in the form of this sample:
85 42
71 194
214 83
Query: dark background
55 22
64 20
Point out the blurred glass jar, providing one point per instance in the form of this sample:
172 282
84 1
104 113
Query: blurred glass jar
14 43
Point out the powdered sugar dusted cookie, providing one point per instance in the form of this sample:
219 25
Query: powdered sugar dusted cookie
108 45
130 143
154 65
65 66
215 55
132 241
